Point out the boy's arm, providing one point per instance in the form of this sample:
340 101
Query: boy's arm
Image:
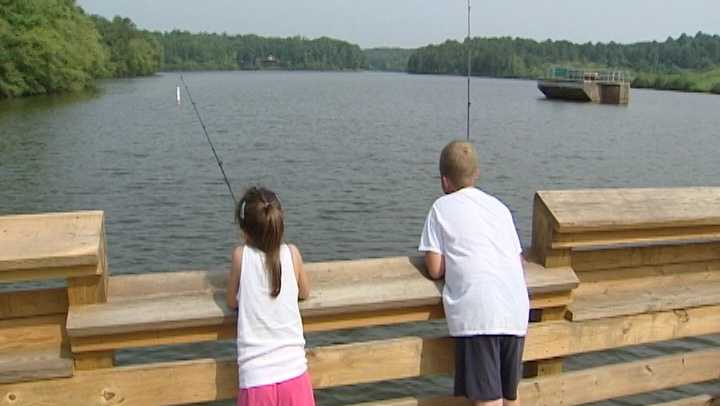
233 282
432 244
435 264
302 279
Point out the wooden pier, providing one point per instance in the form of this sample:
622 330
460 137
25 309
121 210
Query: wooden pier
607 269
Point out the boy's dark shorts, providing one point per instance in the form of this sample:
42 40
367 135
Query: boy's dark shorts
488 367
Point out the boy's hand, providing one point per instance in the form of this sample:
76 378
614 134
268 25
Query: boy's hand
435 264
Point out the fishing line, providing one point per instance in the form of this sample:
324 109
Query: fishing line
469 67
207 136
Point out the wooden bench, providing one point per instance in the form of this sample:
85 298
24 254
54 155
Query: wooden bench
345 294
634 250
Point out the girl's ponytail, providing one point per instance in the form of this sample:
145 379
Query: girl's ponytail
273 240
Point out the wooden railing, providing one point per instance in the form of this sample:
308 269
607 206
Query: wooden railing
608 269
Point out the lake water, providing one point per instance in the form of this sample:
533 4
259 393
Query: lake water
351 155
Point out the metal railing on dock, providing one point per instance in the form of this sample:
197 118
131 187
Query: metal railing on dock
607 269
588 75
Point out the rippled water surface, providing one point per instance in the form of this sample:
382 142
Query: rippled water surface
352 156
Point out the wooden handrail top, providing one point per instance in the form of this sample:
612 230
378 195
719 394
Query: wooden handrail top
596 210
38 242
189 299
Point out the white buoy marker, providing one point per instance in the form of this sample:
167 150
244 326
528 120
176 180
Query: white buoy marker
178 95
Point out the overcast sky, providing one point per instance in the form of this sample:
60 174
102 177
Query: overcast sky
411 23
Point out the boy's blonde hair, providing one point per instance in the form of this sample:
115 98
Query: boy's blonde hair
459 163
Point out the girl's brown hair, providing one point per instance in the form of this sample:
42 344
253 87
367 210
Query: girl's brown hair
260 216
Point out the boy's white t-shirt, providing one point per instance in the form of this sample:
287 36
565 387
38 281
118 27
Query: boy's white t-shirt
485 290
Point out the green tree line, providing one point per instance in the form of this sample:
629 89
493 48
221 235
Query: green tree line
131 52
187 51
51 46
388 59
47 46
671 64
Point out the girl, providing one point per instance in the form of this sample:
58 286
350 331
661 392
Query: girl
265 283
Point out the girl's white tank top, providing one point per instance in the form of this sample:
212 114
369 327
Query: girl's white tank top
270 342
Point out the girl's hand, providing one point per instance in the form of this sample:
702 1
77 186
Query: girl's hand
302 279
233 283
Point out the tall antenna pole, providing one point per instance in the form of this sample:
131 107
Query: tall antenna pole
469 69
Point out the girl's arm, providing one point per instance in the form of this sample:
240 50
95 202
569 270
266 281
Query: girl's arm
233 283
302 278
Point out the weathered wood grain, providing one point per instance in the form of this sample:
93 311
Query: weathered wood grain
32 333
322 275
33 348
632 209
44 241
700 400
650 299
401 286
35 365
207 380
603 383
623 238
34 302
599 259
545 340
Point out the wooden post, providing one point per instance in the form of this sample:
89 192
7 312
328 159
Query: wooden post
547 366
69 246
92 289
542 237
543 232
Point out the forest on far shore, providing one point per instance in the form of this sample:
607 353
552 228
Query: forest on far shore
688 63
48 47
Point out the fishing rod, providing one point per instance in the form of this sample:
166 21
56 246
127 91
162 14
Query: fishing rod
207 136
469 67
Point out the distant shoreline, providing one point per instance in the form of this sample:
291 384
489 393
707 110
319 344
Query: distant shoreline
664 79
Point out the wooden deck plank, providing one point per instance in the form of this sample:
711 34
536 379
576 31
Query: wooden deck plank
656 277
322 275
650 299
632 238
412 401
601 259
562 338
700 400
33 366
34 302
603 383
210 379
31 334
545 340
41 241
628 209
168 312
336 290
33 348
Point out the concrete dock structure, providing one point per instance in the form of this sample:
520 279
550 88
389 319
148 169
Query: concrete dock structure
607 87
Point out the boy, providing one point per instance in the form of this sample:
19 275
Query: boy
470 239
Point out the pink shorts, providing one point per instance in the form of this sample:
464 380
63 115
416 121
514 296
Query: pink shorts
293 392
